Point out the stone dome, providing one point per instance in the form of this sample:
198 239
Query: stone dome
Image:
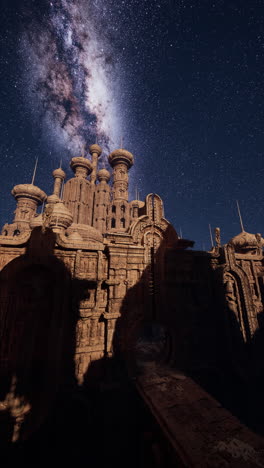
74 236
121 156
29 191
59 173
245 241
95 149
103 174
88 233
82 163
60 216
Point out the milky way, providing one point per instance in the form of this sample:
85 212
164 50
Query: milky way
74 80
180 80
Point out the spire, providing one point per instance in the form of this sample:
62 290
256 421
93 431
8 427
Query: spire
34 172
58 176
240 217
211 237
95 151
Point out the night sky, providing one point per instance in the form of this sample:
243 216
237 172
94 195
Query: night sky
181 82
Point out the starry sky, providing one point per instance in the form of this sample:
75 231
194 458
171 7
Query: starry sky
179 82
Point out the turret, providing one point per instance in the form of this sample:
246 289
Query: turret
60 218
59 176
101 200
95 151
120 160
118 215
81 167
28 197
77 194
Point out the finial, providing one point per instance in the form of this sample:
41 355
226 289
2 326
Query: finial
121 142
34 172
60 163
180 232
211 237
217 236
240 217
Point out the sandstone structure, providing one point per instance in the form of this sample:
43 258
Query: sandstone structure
96 275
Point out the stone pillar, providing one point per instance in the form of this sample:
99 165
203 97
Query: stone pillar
101 200
121 161
119 215
60 218
77 192
59 176
95 152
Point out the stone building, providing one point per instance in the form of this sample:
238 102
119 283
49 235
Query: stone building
96 275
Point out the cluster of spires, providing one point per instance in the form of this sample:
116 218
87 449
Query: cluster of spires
86 199
83 202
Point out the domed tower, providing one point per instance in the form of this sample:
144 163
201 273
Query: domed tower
60 218
101 200
28 197
119 216
95 151
58 176
77 194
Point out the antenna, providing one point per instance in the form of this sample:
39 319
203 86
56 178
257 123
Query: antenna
34 172
83 150
211 237
240 217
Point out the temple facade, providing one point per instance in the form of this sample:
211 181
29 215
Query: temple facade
83 280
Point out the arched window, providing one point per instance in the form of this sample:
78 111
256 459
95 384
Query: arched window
16 232
123 208
113 209
4 233
123 222
113 223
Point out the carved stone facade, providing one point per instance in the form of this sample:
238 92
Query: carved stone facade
80 282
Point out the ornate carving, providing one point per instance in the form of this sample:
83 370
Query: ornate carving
217 237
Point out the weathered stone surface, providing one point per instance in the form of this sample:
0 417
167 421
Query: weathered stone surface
202 433
94 275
